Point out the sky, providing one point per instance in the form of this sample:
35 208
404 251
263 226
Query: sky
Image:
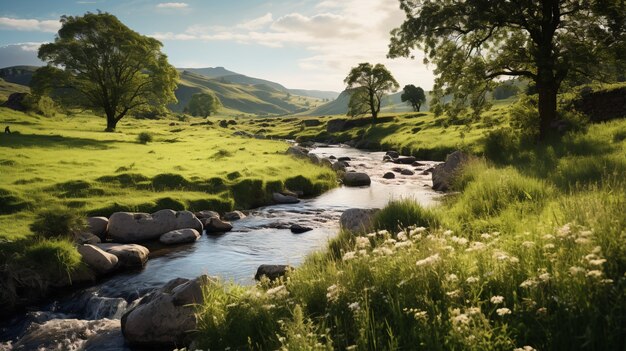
304 44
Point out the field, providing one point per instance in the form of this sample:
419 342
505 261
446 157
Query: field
528 255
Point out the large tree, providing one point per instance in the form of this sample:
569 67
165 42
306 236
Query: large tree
414 96
371 83
203 104
474 42
97 62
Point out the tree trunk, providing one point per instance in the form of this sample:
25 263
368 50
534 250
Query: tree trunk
547 88
373 107
111 123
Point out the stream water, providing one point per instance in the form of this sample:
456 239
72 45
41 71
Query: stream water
262 237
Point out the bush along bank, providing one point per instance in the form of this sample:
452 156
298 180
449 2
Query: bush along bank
522 257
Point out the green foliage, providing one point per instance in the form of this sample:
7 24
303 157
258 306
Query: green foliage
373 82
88 47
54 258
525 117
42 105
249 193
399 214
471 46
57 222
203 104
144 137
414 96
169 181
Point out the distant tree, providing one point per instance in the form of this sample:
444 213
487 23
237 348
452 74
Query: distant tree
203 104
414 96
473 43
359 103
372 83
97 62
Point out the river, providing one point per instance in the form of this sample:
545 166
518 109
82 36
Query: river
262 237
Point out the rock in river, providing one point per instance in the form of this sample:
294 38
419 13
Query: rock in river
126 227
128 255
357 219
166 317
98 259
444 173
356 179
298 229
97 226
233 216
216 225
272 271
389 175
405 160
284 199
180 236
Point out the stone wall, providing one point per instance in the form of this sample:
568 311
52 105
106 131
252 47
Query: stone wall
603 105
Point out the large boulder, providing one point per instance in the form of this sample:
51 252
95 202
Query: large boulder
216 225
180 236
16 101
165 318
127 227
87 238
314 159
98 259
357 219
444 173
356 179
284 199
206 214
97 226
340 166
272 271
128 255
335 125
392 154
233 216
405 160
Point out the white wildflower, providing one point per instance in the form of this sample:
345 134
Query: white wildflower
597 262
548 246
362 242
417 230
514 260
461 319
473 310
402 244
452 277
354 306
471 280
528 283
528 244
371 235
607 281
402 236
278 291
585 233
594 273
497 299
383 232
582 241
454 293
363 253
575 270
495 233
349 256
564 230
476 246
525 348
428 260
459 241
332 292
503 311
548 237
485 236
544 277
448 232
390 241
420 315
597 250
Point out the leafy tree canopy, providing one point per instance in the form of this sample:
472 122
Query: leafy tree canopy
414 96
371 83
203 104
97 62
474 42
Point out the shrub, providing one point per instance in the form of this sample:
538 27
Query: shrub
42 105
400 214
11 203
57 222
168 203
248 193
144 138
169 181
524 117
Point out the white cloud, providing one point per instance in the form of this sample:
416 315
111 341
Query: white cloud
34 25
257 23
339 36
30 46
172 5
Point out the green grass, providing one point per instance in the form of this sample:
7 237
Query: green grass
70 161
55 171
530 252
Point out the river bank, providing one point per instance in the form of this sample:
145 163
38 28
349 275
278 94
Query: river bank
262 237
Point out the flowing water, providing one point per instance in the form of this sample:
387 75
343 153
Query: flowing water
263 237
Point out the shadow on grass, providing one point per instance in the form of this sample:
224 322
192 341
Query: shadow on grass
37 140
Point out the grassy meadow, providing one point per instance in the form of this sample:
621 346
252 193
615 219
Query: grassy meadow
528 254
68 165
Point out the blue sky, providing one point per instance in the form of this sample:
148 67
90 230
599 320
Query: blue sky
310 44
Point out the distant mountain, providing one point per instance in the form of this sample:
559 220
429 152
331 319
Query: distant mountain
18 74
227 76
391 103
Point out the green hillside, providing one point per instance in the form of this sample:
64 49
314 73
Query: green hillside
8 88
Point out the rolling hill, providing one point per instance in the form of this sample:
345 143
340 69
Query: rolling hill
339 106
238 93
